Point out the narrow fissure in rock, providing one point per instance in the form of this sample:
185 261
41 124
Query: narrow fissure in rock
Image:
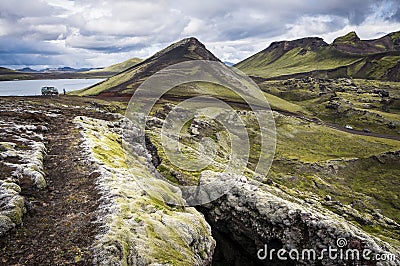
227 250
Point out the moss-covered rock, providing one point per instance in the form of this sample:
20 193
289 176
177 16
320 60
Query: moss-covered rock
5 146
349 38
253 216
324 184
21 161
12 204
138 227
5 224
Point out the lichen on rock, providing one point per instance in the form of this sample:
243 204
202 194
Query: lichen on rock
21 162
5 224
138 228
288 207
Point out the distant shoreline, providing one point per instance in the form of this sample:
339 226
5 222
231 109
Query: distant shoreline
33 87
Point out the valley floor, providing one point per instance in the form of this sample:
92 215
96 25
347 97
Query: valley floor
67 195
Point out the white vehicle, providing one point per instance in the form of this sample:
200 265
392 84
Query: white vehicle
348 127
46 90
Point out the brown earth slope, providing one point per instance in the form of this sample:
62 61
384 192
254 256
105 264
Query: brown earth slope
127 81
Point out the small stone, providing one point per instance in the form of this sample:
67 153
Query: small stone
42 129
328 198
11 186
5 224
5 146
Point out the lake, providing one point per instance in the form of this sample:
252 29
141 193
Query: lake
33 87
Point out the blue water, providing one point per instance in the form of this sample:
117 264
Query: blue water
33 87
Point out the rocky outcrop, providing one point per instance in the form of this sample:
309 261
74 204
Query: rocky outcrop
311 43
137 228
21 161
253 216
351 43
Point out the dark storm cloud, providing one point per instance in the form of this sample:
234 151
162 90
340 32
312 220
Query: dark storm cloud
355 10
13 45
92 32
396 15
17 59
109 44
241 19
25 8
30 19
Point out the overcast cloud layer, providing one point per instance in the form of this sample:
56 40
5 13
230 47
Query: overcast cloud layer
94 33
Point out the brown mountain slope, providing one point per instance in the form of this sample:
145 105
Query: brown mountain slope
127 81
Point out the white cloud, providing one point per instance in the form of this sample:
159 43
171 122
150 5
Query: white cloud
98 33
194 27
315 26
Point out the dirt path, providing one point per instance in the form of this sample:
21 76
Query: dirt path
59 228
339 127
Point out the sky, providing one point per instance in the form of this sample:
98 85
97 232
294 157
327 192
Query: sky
96 33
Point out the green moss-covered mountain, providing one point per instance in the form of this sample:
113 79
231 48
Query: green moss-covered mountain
127 81
347 56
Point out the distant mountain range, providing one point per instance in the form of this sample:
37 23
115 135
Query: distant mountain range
229 64
347 56
53 70
27 70
66 72
116 68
